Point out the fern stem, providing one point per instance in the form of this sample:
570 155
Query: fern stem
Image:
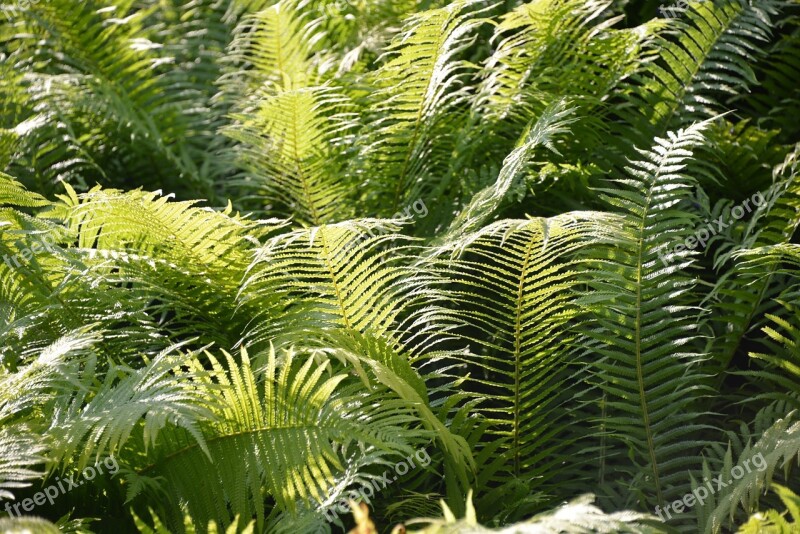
638 335
517 352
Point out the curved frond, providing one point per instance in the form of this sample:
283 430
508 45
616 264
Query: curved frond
286 147
415 106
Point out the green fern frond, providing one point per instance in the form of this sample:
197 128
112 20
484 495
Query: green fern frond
200 239
744 291
773 522
415 106
271 50
100 422
554 48
552 122
778 449
102 102
395 372
517 363
579 516
13 193
705 58
188 526
24 525
348 275
286 428
286 147
647 352
783 341
21 449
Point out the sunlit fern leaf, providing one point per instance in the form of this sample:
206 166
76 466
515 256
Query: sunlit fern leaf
554 48
13 193
548 50
99 422
25 525
288 430
158 525
351 274
162 269
270 50
705 58
783 256
42 379
743 291
773 522
21 449
415 108
360 29
579 516
286 148
188 526
647 353
35 309
553 121
104 102
201 240
392 369
776 450
783 343
517 363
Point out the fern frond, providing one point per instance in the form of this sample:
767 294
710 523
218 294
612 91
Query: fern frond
783 341
13 193
517 363
348 275
552 122
158 394
271 50
649 362
553 49
21 449
415 106
705 58
285 428
579 516
28 524
286 148
102 102
773 522
744 291
778 448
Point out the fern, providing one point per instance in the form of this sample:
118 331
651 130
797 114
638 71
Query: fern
415 106
211 271
648 359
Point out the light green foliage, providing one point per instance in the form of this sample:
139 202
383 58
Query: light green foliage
773 522
264 253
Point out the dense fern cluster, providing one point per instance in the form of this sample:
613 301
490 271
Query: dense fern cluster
258 253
